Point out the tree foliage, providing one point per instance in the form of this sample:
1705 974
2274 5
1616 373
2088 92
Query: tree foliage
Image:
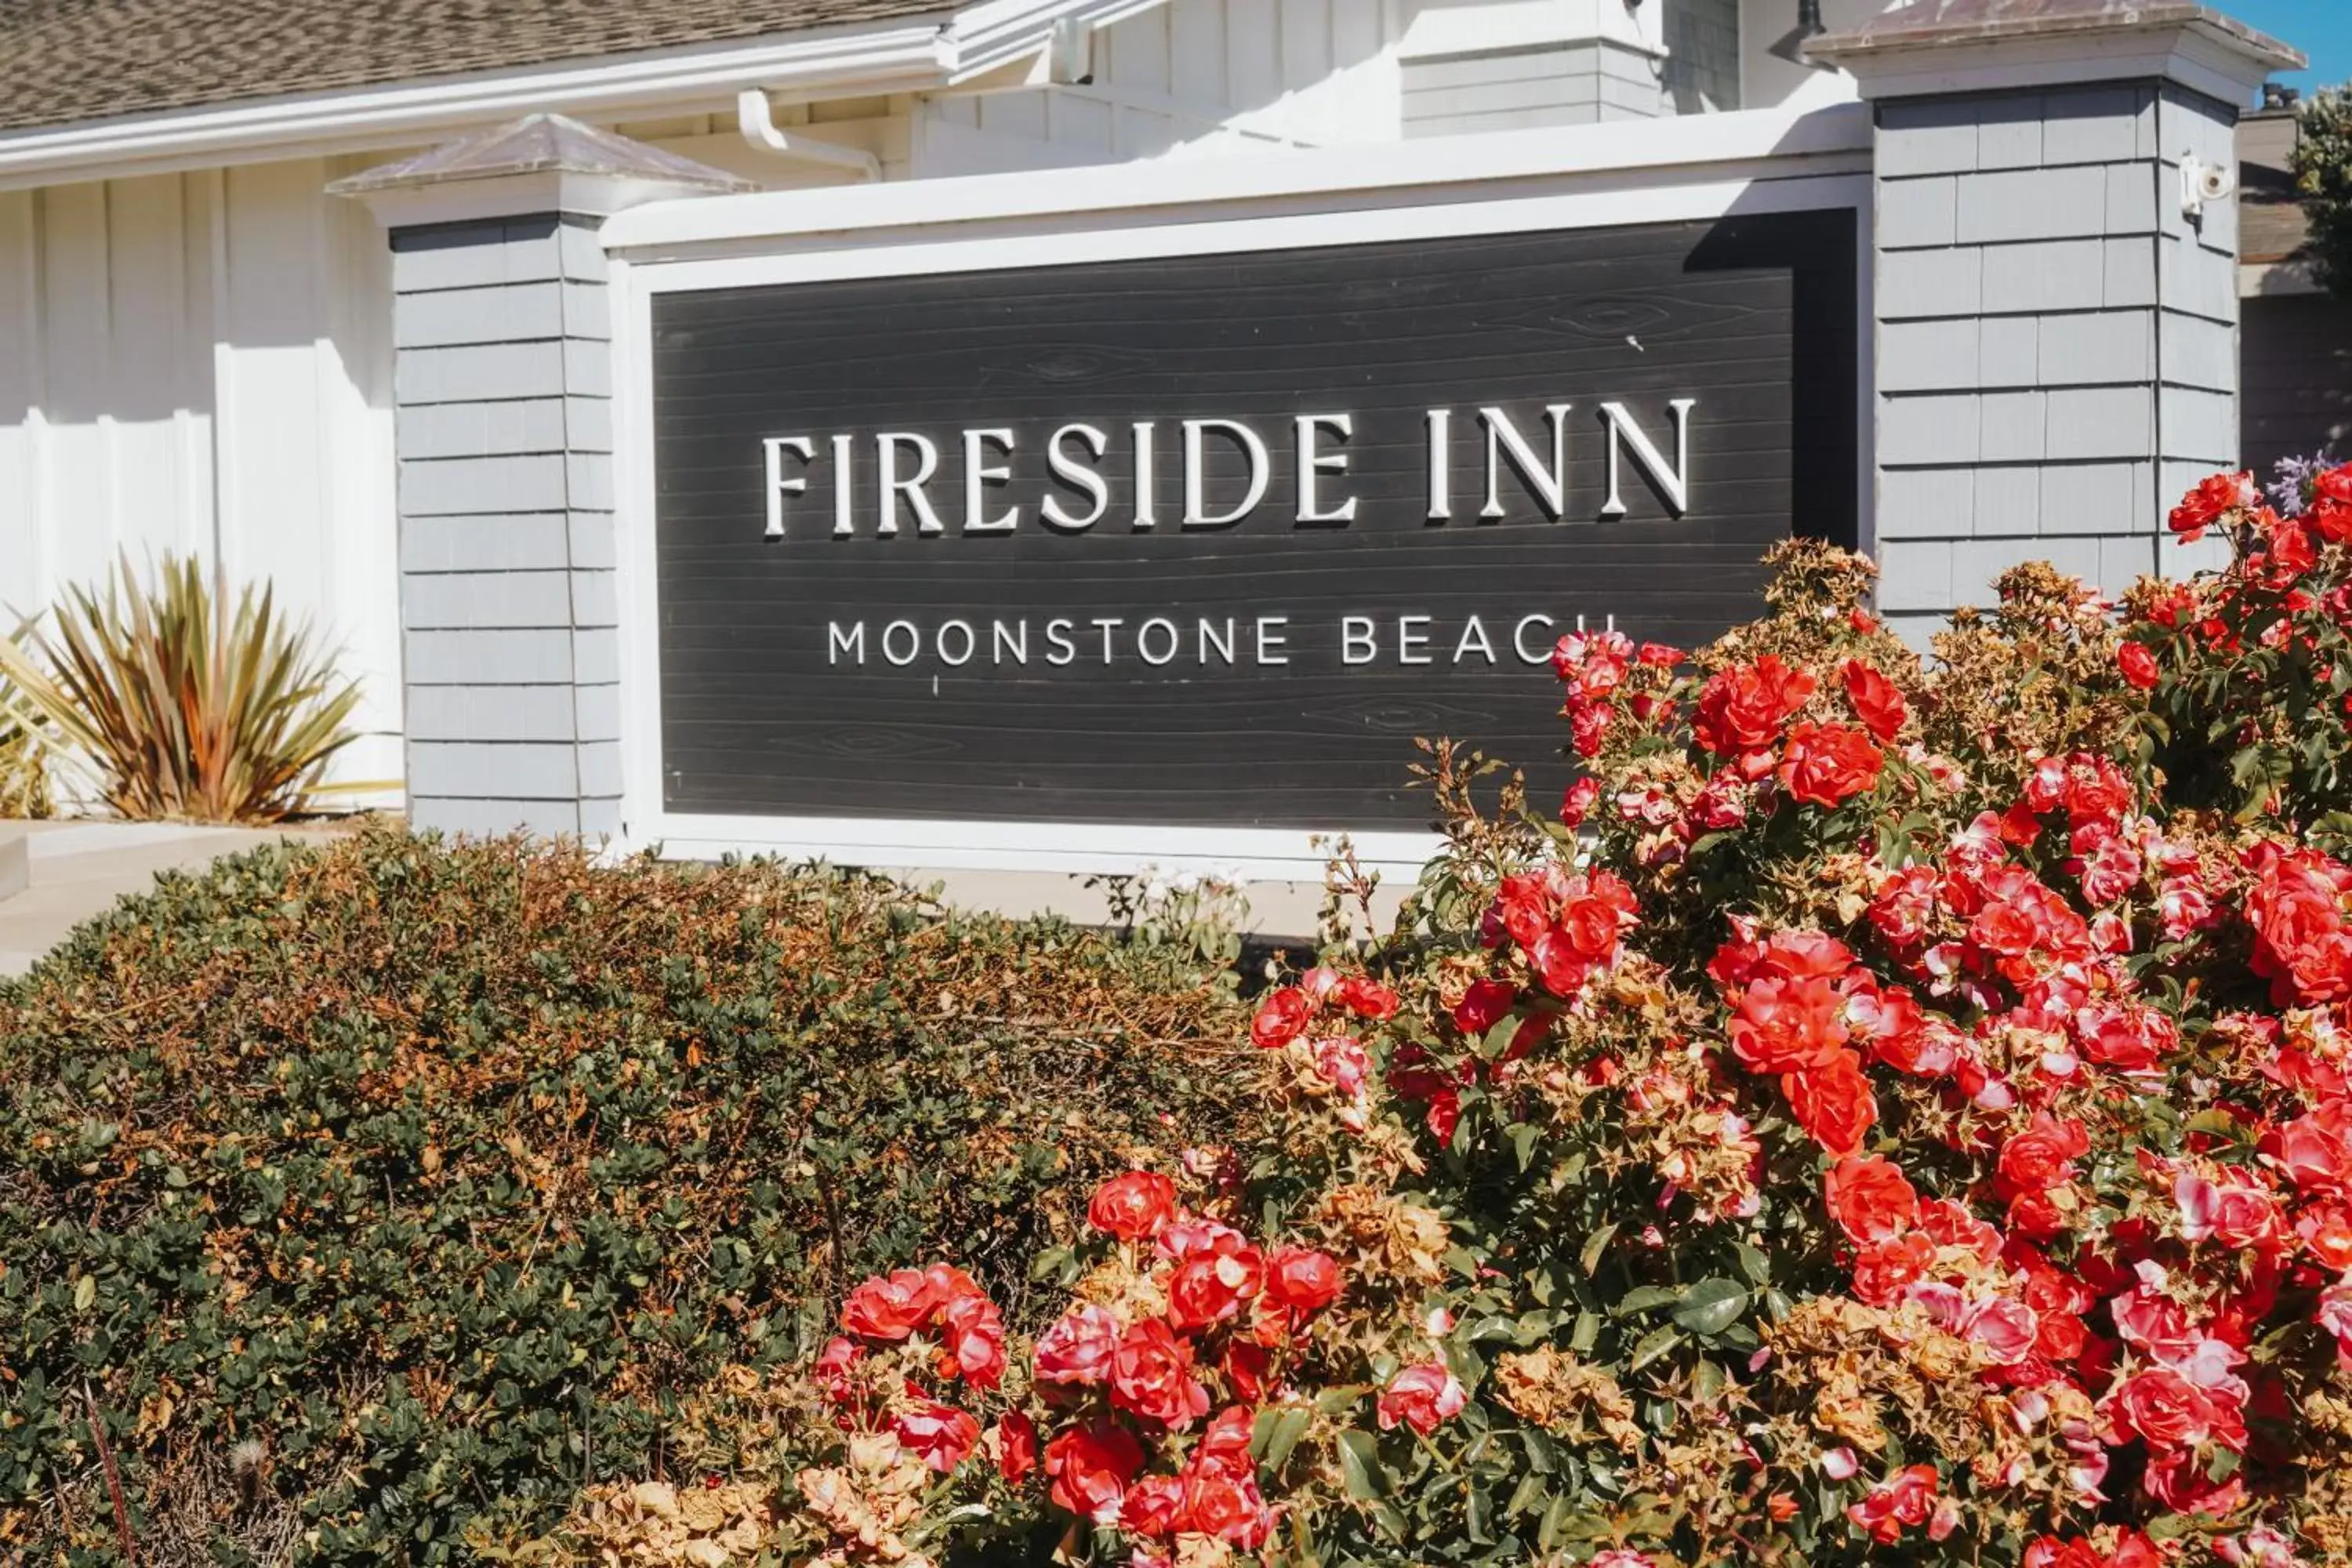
2323 170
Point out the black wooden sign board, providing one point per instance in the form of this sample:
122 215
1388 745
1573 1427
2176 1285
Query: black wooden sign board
1034 545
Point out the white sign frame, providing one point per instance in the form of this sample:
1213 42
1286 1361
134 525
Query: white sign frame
1518 182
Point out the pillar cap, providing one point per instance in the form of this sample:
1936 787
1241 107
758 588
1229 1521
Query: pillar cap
539 164
1983 45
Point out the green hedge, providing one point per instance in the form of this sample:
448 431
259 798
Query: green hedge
353 1188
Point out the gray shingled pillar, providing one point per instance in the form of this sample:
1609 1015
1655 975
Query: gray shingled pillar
502 389
2056 347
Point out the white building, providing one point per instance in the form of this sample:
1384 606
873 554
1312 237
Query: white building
196 342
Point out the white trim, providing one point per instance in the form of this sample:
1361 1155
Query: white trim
1630 156
926 54
1267 202
2217 64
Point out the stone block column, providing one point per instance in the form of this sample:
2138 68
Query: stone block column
502 389
2056 309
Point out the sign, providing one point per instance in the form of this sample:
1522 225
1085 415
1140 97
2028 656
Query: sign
1208 539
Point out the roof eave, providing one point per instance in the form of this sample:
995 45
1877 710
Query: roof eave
1937 45
926 54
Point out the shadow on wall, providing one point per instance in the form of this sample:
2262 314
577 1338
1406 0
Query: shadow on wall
2295 359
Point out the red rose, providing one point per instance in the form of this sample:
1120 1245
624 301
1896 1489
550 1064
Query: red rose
2315 1150
1423 1398
1191 1234
2049 1552
2006 1329
1827 764
1365 997
1875 701
1151 1374
1281 1018
1246 1365
1741 709
2169 1411
1484 1006
1558 963
2330 510
1870 1199
2129 1039
1789 1025
1092 1467
1576 803
1881 1269
949 1283
1212 1285
2237 1210
1153 1507
1592 924
2044 1155
2182 1480
942 1434
1833 1104
1013 1441
1222 1499
974 1336
1136 1206
834 1366
2301 944
890 1306
1905 1498
2213 496
2138 664
1078 1347
1302 1281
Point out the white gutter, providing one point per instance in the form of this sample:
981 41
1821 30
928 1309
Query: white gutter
925 54
755 117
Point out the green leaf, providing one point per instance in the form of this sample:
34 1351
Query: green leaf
1359 1464
1711 1305
1498 1040
1554 1518
85 1293
1523 1142
1753 1263
1654 1344
1276 1438
1594 1245
1646 1298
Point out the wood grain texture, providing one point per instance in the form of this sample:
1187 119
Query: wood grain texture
1752 316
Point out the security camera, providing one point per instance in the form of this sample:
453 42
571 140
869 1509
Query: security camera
2201 182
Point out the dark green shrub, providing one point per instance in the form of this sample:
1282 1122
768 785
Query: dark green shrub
355 1188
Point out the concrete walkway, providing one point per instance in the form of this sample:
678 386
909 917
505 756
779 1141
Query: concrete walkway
79 869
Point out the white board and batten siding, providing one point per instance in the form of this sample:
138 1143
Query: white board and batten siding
201 364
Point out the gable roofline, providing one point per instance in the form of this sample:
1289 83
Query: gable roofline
995 42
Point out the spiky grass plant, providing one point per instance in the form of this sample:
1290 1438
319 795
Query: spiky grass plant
178 704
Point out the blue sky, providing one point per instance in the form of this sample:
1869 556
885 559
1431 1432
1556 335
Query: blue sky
2320 28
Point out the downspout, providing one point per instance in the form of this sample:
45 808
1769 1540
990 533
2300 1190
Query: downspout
756 118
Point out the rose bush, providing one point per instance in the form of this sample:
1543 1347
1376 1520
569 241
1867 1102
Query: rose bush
1893 1110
